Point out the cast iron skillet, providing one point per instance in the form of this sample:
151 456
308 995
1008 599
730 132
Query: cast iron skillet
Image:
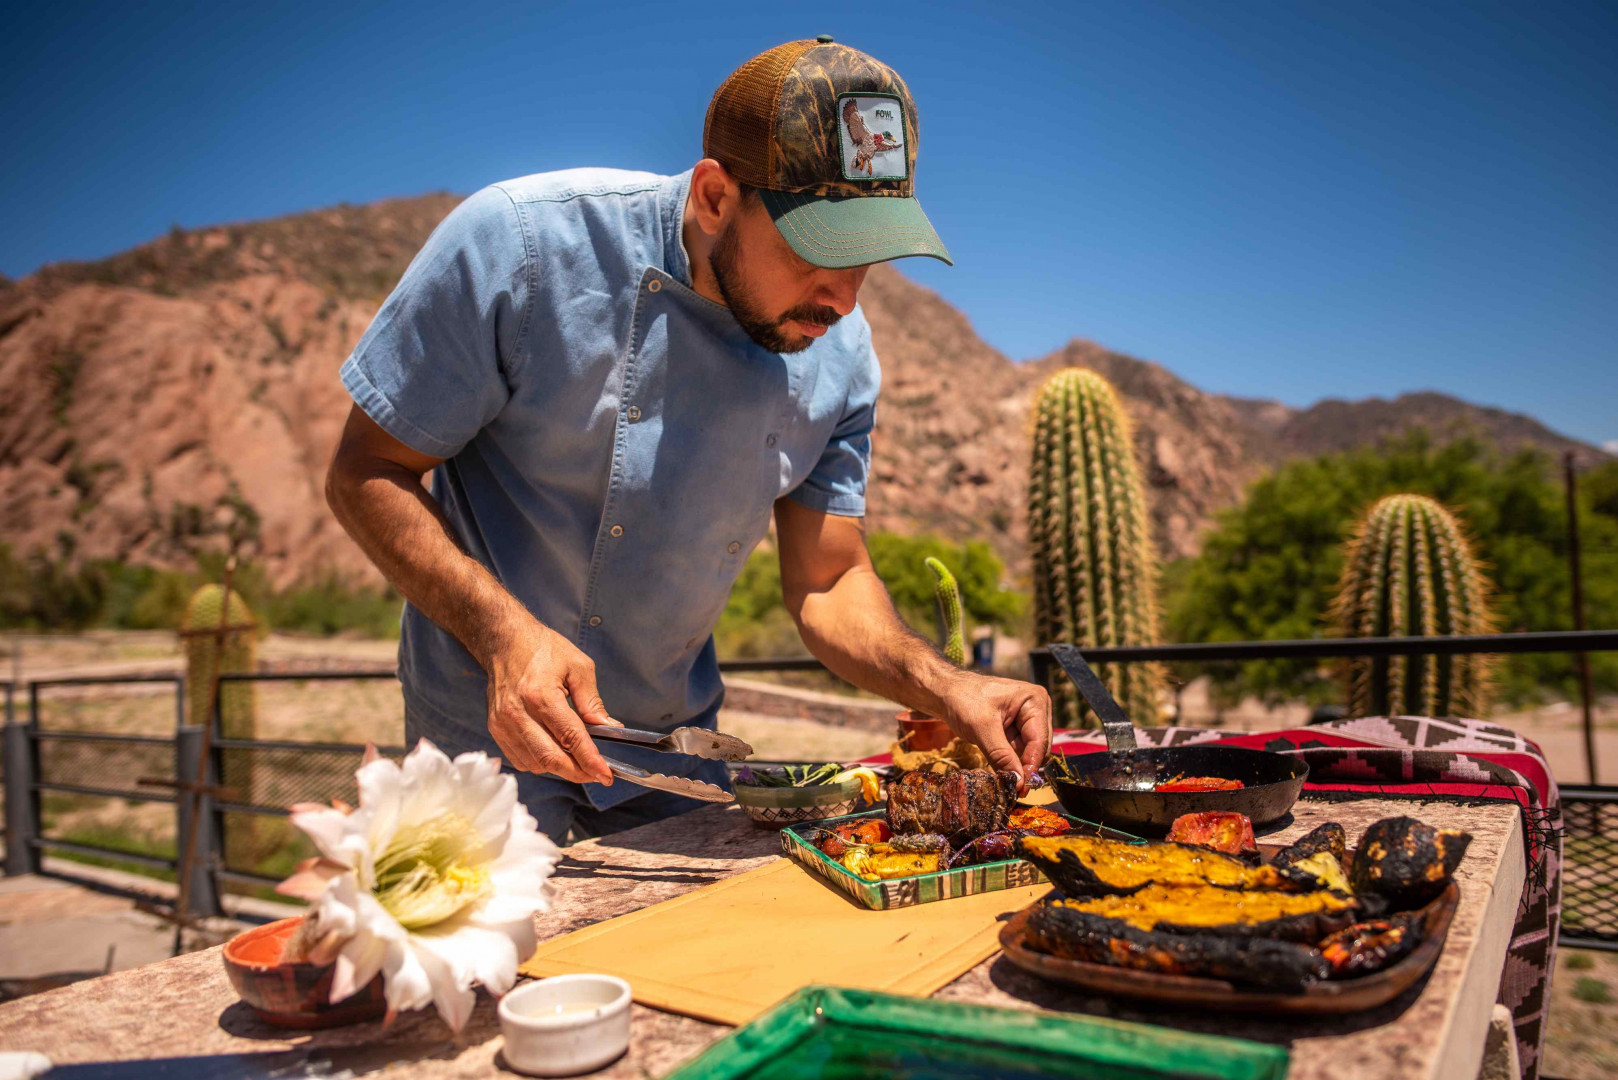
1115 788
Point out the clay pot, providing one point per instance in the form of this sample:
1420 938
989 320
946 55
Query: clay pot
292 995
918 731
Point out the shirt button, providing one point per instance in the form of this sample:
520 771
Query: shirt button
770 441
733 547
653 285
634 413
617 530
595 620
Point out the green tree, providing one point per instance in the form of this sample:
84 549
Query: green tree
756 623
1268 569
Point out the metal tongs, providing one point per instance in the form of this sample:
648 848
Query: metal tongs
694 741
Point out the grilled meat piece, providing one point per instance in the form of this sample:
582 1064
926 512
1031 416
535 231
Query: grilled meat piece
1086 866
961 805
1407 861
1037 821
1060 930
1221 830
1371 946
1207 909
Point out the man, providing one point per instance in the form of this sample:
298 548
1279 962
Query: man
615 378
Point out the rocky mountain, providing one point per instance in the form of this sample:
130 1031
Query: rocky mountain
147 391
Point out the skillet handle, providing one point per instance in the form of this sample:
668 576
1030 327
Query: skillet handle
1114 721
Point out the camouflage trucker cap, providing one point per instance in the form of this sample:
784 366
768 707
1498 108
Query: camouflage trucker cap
828 135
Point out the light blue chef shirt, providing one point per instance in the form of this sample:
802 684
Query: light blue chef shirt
613 441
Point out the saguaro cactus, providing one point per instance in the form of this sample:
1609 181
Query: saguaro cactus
1409 571
948 592
1094 570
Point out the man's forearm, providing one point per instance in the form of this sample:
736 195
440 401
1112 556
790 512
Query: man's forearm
399 525
852 627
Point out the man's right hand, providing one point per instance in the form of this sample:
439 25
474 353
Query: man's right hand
542 693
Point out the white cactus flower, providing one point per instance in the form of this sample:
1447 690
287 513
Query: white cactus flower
433 880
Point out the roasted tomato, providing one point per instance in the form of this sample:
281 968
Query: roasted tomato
1197 783
1370 946
1038 821
836 841
1219 829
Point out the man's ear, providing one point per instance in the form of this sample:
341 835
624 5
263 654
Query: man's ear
715 196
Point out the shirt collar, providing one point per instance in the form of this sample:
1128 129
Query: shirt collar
671 199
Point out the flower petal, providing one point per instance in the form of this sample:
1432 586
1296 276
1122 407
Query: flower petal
451 988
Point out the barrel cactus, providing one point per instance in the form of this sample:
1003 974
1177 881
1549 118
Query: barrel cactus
948 592
1093 564
1409 571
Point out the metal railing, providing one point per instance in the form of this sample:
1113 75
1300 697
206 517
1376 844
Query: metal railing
323 770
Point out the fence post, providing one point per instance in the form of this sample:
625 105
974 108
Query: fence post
22 817
203 897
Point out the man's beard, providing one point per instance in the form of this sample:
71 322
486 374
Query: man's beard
768 333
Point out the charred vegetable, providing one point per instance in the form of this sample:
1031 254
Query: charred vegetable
836 841
922 844
960 805
1407 861
1061 930
880 862
1371 946
1085 866
1038 821
1197 783
1196 909
1329 837
1221 830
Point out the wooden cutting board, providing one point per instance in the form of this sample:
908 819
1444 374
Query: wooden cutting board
730 950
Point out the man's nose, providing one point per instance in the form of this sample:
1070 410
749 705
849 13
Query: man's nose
841 289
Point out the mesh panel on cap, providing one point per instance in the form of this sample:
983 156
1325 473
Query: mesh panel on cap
739 131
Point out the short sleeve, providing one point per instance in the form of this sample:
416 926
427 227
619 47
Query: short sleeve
432 368
836 485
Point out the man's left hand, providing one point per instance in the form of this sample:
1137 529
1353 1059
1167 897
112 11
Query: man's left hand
1009 719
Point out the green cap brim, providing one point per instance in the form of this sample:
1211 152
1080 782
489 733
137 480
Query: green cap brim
839 231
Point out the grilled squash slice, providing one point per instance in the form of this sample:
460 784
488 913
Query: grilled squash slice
1207 909
1086 866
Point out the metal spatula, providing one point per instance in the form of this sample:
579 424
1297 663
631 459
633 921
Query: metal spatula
1114 721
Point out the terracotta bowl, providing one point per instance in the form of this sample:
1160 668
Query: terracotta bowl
918 731
292 995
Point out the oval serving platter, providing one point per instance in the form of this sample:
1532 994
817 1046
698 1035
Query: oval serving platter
1321 998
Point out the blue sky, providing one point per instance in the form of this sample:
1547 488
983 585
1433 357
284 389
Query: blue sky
1292 201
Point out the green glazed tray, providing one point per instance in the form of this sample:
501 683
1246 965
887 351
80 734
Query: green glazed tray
924 888
826 1033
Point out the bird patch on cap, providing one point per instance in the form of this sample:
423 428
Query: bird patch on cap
872 134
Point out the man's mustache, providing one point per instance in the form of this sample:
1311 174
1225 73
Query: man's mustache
810 315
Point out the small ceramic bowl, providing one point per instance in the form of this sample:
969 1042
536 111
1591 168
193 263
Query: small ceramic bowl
292 995
778 807
565 1025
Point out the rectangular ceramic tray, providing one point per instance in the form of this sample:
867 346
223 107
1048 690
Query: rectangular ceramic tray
923 888
825 1032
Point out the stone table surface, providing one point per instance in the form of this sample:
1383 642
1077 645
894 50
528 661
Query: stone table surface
185 1007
